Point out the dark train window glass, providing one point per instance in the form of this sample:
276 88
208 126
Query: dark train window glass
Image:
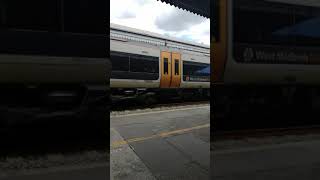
77 16
196 69
2 15
215 20
35 15
146 64
165 66
268 19
134 66
176 67
120 61
85 16
306 26
276 23
198 72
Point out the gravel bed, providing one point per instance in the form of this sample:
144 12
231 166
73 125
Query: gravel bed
261 141
12 165
161 108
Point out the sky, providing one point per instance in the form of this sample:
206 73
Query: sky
161 18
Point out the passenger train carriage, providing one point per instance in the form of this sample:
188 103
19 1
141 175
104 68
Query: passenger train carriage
267 51
153 63
53 65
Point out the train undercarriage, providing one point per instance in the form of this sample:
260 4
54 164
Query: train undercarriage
54 106
149 96
264 106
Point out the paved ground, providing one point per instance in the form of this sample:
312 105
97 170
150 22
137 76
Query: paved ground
294 161
170 144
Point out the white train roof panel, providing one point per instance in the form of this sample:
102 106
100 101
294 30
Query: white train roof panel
146 35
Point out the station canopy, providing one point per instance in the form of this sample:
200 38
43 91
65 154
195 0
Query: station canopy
199 7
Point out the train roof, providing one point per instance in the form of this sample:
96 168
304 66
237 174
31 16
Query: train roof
155 35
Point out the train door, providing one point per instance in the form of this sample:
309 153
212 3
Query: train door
170 70
176 70
165 69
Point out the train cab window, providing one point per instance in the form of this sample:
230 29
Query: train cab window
165 66
176 67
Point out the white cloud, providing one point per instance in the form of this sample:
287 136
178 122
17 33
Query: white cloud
127 15
177 20
158 17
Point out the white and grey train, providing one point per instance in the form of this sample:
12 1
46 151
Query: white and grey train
144 62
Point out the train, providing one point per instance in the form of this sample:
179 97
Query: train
54 66
265 54
150 64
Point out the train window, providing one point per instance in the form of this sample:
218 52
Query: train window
176 67
145 64
216 20
50 28
193 71
85 16
120 61
165 66
134 66
305 26
2 14
276 23
36 15
269 18
77 16
280 33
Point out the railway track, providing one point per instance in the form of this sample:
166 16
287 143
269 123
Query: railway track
36 155
266 132
39 150
133 106
39 141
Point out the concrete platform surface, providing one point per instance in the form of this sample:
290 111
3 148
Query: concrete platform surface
173 144
292 161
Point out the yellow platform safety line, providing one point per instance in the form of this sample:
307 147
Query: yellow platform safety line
164 134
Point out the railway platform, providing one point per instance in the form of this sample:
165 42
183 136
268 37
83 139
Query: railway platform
291 157
164 144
